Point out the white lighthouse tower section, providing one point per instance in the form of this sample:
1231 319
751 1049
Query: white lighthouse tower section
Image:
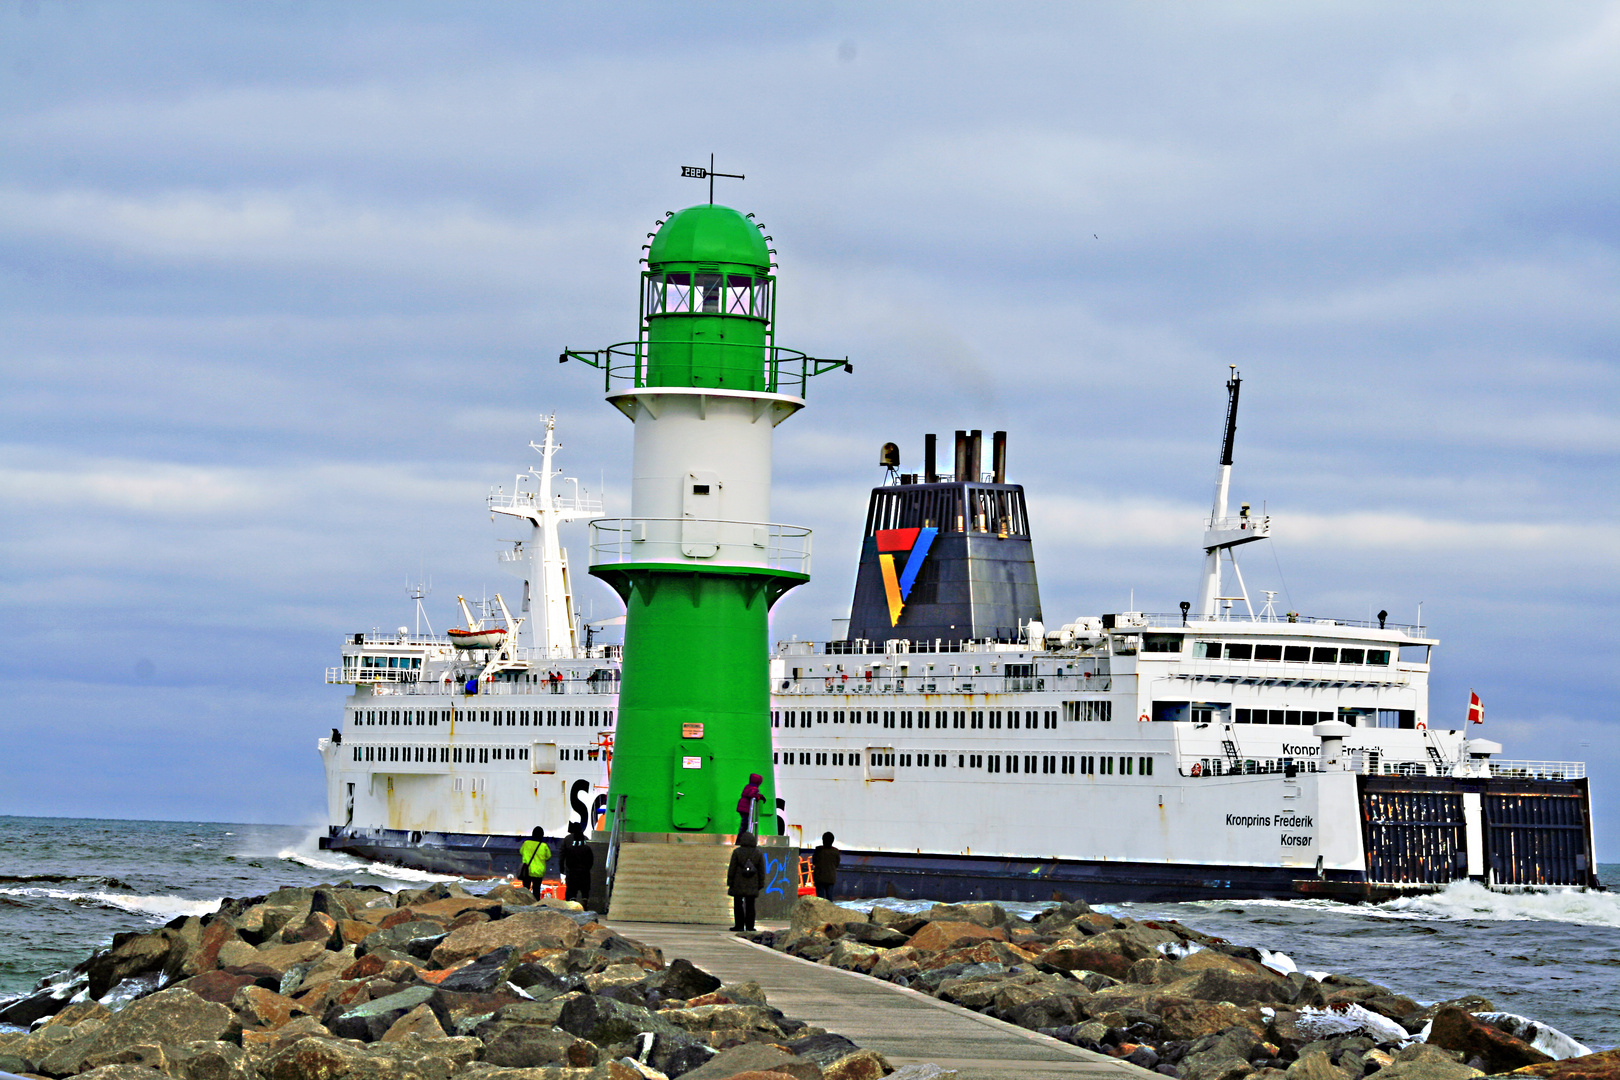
701 481
540 559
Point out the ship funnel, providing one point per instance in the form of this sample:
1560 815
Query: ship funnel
998 456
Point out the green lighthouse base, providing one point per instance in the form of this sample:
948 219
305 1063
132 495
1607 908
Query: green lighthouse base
694 706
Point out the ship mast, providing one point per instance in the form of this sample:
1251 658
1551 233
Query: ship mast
1223 533
541 560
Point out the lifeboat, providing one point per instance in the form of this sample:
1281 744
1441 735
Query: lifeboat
478 639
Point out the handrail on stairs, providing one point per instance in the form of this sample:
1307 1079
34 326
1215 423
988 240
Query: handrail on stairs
615 835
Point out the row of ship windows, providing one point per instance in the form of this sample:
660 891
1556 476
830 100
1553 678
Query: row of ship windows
465 755
1029 719
1243 650
1061 764
496 717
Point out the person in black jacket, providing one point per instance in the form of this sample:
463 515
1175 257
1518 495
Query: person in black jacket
577 861
745 878
824 867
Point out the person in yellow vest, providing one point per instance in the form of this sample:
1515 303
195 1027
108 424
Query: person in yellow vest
534 854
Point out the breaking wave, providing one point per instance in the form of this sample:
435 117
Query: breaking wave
308 853
1469 900
160 908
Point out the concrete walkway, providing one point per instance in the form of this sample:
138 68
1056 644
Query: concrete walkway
904 1025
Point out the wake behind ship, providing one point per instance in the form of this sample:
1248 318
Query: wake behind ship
959 747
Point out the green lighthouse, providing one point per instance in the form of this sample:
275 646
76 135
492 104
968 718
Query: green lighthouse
698 563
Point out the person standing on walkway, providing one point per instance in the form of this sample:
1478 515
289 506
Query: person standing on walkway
534 854
824 867
577 859
745 878
745 804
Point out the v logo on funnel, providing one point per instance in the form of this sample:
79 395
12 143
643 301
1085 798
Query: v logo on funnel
894 544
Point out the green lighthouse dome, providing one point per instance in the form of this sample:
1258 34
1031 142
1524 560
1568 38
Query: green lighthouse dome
710 234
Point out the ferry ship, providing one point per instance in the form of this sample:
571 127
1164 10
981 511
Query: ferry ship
958 746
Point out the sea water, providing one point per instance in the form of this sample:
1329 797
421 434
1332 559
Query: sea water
66 886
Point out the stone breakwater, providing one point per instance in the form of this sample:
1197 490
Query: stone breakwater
1173 1000
343 983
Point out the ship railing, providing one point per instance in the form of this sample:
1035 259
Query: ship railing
1139 620
776 370
714 541
581 505
859 684
1291 672
897 647
1373 763
353 675
438 687
1538 770
406 639
595 652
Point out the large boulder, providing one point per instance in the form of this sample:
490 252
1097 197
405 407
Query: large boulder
488 973
402 935
755 1058
261 1008
1420 1061
529 930
172 1016
605 1021
812 911
419 1021
1212 976
1600 1066
370 1021
883 937
525 1046
318 1059
944 935
217 986
1479 1043
681 979
130 955
274 958
983 913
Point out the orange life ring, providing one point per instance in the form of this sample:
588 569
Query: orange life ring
1197 769
1144 719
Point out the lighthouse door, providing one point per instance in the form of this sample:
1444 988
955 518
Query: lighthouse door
692 798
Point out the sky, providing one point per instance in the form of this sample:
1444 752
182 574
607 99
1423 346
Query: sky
282 288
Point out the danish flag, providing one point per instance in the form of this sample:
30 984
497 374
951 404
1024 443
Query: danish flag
1476 711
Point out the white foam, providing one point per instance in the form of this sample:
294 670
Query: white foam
1470 900
1281 963
1176 950
1346 1019
1549 1040
161 908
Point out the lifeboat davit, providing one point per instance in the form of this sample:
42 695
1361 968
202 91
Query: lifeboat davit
478 639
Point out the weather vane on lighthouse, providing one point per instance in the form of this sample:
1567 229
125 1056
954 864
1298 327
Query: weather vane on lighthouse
698 172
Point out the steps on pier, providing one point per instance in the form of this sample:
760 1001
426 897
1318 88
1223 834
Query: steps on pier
672 883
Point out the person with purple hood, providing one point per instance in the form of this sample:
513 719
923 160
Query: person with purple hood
745 803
